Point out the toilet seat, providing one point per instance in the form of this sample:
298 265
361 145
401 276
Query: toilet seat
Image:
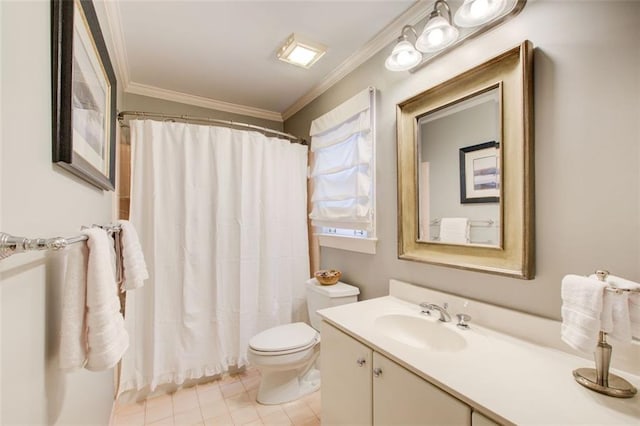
284 339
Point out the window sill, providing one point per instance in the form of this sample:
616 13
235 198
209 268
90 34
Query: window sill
361 245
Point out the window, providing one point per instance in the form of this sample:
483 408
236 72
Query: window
343 174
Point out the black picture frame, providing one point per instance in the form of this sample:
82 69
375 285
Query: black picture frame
480 173
84 94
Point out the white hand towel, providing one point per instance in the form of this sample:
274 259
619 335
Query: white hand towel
135 268
73 338
106 335
634 314
454 230
582 299
626 310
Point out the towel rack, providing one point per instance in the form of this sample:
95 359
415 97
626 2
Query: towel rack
599 379
486 242
10 245
487 223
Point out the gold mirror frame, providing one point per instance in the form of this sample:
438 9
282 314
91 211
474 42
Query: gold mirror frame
513 72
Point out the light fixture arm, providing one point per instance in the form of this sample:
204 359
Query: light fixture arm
403 36
437 12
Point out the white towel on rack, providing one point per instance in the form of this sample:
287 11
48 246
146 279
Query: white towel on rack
73 339
107 339
454 230
135 268
634 315
616 321
582 299
624 315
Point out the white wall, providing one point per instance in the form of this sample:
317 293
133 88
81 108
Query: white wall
38 200
587 137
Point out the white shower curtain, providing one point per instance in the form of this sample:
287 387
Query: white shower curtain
221 215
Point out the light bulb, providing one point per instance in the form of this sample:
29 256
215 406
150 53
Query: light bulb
477 12
479 8
406 58
403 57
435 37
437 34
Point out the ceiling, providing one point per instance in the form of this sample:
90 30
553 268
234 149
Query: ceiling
222 54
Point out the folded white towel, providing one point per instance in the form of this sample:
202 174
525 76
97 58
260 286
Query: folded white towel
73 338
625 310
582 299
454 230
634 314
135 268
617 323
107 338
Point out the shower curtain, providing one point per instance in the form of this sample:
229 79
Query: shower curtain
221 215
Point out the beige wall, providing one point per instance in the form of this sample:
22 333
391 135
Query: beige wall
587 137
38 200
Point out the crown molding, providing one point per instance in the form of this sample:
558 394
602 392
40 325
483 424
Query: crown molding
170 95
411 16
114 20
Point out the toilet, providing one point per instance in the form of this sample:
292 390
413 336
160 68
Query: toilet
286 355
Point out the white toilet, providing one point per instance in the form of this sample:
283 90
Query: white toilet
286 354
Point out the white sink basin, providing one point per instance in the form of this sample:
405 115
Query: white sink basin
420 333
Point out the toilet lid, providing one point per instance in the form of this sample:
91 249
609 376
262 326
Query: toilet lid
284 337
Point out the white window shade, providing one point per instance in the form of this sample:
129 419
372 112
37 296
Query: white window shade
343 170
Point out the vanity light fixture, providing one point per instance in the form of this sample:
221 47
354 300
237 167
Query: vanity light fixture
438 33
441 33
404 56
300 51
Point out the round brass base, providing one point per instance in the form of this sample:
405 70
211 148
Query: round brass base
618 386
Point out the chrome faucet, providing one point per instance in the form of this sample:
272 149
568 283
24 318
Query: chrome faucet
428 307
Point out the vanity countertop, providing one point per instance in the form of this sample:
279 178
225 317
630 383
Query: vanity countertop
505 378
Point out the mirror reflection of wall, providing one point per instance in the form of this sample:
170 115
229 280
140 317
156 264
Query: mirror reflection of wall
445 214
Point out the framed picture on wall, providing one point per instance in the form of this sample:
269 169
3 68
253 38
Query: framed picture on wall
84 94
480 173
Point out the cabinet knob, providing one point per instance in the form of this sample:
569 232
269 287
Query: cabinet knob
377 372
361 362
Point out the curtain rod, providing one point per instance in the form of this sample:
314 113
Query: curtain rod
294 139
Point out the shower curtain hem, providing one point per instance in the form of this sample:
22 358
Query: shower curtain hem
178 378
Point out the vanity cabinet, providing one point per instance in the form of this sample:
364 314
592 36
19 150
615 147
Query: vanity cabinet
361 386
346 379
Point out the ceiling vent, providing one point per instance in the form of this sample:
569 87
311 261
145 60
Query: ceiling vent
300 51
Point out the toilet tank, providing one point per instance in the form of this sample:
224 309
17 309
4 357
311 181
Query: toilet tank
325 296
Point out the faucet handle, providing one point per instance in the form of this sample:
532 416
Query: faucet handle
463 321
426 308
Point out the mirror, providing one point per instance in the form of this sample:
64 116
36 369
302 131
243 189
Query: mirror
458 185
465 169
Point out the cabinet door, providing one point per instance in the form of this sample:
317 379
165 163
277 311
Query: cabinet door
401 397
345 368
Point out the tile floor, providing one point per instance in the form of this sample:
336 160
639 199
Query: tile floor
230 400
